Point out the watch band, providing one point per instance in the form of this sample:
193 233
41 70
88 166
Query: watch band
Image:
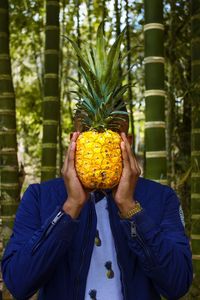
137 208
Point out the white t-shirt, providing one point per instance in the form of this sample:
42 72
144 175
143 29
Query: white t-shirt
104 275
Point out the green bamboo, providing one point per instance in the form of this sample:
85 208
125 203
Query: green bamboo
130 94
9 170
51 91
78 33
118 25
195 136
170 116
9 174
61 87
155 144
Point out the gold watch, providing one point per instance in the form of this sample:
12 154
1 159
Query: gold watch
137 208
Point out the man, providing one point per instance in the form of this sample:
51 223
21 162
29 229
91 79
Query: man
61 229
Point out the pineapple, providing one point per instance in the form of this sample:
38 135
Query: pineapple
100 114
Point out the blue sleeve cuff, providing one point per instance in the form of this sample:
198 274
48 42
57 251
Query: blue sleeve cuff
143 222
58 227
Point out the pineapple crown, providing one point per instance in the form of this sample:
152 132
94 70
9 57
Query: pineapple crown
100 105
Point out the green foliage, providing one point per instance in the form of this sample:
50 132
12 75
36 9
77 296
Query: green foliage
100 95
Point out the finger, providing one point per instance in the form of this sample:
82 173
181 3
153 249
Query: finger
133 161
70 163
128 149
137 165
73 139
125 158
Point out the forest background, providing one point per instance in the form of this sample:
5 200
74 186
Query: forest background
37 105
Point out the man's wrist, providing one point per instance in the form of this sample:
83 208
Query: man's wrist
72 209
129 210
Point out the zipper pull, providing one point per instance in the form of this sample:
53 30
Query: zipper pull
57 217
133 229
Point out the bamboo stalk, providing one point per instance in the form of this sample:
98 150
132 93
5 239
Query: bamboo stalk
9 170
51 91
155 144
195 137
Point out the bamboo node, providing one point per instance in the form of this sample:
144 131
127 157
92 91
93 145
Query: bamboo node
49 145
195 236
51 76
7 112
154 59
48 168
195 196
3 10
195 175
4 56
5 77
195 130
195 216
4 151
51 51
55 3
50 122
150 26
7 95
51 99
156 154
196 62
3 34
9 186
149 93
196 257
155 124
195 153
51 27
6 131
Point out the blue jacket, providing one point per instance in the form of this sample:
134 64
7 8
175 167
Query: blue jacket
50 251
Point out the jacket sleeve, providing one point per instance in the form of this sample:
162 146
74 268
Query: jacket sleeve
163 250
34 250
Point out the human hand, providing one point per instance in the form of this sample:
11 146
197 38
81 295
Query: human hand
77 196
123 193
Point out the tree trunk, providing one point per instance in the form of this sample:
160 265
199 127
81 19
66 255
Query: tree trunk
9 173
170 109
51 91
78 33
195 146
130 94
155 144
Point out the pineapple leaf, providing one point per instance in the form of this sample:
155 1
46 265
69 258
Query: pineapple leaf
84 64
100 51
119 112
90 58
82 88
113 56
95 97
120 91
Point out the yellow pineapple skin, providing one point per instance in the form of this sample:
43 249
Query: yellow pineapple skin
98 159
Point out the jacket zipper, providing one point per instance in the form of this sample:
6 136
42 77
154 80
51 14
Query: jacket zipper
134 234
47 231
85 243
